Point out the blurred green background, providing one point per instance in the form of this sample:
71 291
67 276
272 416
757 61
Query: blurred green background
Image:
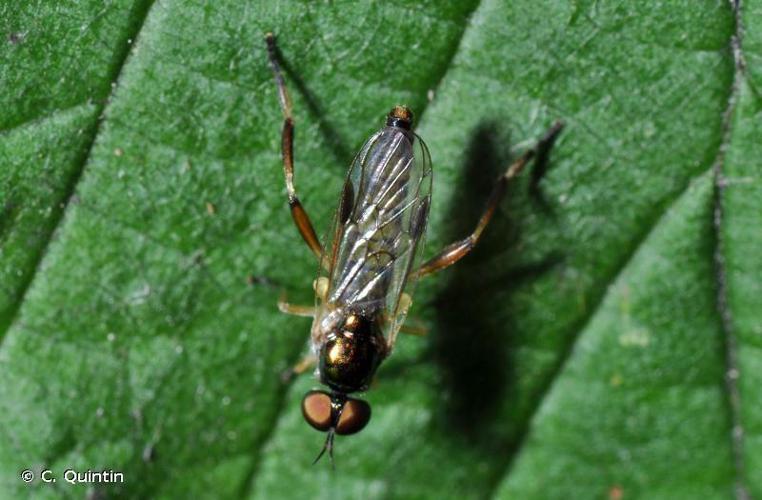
603 341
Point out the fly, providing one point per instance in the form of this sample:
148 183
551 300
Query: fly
371 260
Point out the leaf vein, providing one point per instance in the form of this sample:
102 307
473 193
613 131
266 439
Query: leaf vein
580 326
36 120
723 308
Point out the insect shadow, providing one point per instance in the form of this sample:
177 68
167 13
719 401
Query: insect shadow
473 339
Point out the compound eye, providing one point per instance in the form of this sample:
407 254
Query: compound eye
354 417
316 408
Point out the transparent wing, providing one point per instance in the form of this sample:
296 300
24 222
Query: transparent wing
380 225
396 314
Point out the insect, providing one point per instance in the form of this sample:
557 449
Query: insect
371 260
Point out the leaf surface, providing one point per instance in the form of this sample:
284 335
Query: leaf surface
581 351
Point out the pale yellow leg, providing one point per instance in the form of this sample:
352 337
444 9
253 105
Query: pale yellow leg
295 310
320 286
417 330
305 364
405 302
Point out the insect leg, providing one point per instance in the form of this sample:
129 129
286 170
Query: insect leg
295 310
404 304
320 286
453 252
298 213
417 330
305 364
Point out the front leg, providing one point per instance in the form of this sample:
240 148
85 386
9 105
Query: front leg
305 364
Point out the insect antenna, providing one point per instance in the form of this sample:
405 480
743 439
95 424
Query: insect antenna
328 445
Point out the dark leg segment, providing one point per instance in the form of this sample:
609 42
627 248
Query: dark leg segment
453 252
299 214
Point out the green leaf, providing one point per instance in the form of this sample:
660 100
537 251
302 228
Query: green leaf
602 341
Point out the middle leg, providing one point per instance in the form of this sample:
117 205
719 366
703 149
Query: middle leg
294 309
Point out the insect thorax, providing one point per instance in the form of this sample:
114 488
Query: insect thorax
349 347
